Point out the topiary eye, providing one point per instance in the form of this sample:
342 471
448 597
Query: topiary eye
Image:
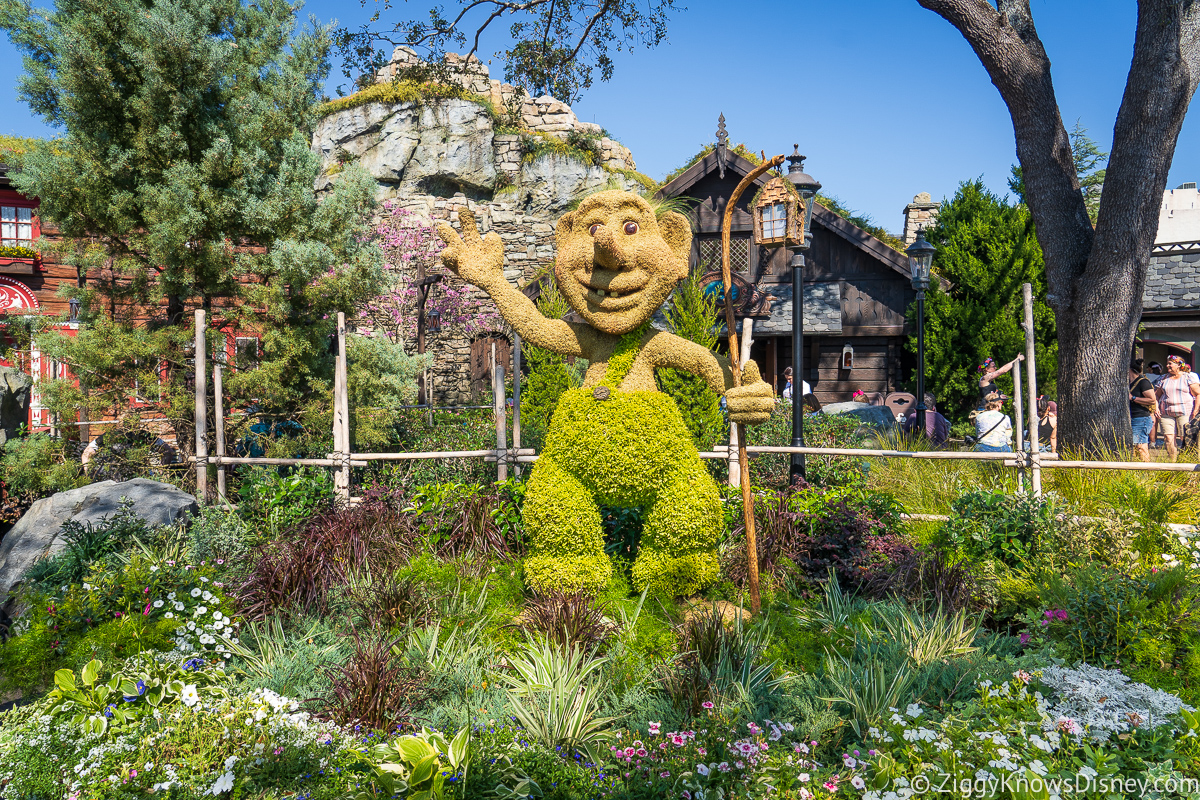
592 230
631 228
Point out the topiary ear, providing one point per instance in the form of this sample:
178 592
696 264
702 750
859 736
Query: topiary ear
677 233
562 230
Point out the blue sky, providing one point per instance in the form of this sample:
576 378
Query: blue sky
884 97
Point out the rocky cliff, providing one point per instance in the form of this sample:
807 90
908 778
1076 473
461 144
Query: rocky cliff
517 162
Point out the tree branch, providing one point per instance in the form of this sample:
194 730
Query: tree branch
1006 42
591 24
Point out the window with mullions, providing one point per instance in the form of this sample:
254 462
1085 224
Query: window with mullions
774 221
16 226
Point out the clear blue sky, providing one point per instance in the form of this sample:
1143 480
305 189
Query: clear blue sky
884 97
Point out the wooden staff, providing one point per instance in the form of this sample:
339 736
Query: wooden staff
736 367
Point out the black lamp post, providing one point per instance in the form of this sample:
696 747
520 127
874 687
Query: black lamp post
920 259
806 186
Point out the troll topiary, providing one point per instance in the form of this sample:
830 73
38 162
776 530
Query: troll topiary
616 441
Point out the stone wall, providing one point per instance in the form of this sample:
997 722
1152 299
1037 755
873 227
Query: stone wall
437 156
920 213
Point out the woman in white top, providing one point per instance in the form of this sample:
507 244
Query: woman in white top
1177 393
993 428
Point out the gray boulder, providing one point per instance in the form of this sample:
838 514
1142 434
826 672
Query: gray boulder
15 390
37 533
880 417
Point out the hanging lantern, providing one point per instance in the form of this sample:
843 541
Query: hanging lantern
777 215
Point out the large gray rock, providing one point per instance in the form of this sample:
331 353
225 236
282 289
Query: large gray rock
879 416
36 534
430 148
15 390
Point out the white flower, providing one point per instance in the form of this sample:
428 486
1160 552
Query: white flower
201 610
203 580
154 568
206 596
224 784
158 603
196 592
170 615
170 595
179 606
858 783
191 626
805 777
1041 744
229 762
913 710
702 769
218 616
190 697
1087 773
1039 768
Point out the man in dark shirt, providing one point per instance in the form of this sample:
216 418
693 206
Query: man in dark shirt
937 429
1143 408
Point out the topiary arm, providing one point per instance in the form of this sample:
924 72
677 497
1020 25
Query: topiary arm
750 403
480 262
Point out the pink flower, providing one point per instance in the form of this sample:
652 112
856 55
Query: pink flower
739 764
146 610
706 704
677 740
642 752
664 774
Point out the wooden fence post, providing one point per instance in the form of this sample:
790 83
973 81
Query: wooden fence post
1031 386
735 468
341 416
501 417
1019 422
219 425
201 411
516 376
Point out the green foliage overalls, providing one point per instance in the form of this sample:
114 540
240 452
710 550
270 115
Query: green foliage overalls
630 450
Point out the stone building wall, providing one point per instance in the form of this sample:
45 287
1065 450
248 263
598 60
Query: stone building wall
437 156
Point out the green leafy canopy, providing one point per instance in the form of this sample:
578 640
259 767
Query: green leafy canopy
184 178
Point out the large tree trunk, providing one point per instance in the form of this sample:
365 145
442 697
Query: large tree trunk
1095 277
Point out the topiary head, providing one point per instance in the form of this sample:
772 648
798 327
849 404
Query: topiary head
616 262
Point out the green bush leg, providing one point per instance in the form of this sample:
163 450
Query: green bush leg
563 521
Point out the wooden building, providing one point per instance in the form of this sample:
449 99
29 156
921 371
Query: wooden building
856 288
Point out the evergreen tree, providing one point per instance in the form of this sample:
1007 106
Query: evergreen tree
183 177
692 315
986 248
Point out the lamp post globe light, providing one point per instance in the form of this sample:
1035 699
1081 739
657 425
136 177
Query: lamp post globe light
806 186
920 260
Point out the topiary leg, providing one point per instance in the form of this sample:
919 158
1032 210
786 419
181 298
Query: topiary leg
563 522
678 553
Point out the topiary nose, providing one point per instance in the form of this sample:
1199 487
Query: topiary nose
607 253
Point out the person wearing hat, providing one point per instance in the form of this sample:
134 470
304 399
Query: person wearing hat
1178 393
988 372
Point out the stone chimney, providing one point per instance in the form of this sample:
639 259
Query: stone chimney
920 213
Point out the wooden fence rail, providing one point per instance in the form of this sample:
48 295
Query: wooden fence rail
1028 461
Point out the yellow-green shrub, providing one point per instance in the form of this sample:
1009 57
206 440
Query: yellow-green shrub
629 451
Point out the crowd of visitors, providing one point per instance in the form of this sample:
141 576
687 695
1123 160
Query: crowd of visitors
1162 403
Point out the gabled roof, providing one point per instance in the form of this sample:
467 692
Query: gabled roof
856 236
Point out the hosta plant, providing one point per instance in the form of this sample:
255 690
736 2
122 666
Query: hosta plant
416 766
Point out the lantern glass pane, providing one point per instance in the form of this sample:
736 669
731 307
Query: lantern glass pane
774 221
